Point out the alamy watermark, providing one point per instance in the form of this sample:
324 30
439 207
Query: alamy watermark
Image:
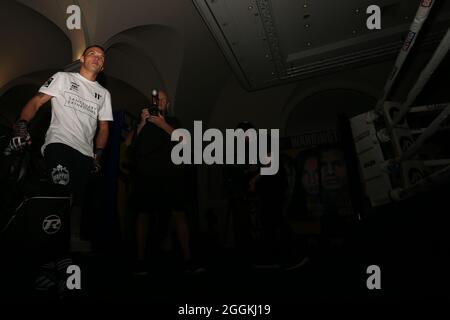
374 20
190 150
74 279
73 22
374 280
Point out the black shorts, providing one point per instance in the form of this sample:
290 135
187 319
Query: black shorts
154 194
68 167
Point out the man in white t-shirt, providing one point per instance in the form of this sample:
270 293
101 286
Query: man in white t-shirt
79 105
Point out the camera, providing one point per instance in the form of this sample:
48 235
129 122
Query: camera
154 109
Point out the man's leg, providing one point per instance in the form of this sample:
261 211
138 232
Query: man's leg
70 168
142 222
174 197
182 230
81 167
77 244
58 165
140 204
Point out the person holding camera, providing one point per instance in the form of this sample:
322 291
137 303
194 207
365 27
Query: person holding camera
157 190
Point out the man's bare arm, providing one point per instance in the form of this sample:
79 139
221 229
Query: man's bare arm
32 106
102 135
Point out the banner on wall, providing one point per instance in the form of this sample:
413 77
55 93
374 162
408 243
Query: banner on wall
310 139
318 179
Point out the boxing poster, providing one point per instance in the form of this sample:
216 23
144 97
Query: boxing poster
318 182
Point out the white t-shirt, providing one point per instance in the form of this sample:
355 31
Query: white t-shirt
77 104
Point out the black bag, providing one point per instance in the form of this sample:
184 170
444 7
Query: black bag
35 212
39 225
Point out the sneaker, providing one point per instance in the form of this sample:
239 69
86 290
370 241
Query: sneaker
297 265
45 282
140 269
192 267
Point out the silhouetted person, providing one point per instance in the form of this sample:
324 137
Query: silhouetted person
158 184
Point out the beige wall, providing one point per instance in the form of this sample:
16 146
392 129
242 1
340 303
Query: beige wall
272 107
29 43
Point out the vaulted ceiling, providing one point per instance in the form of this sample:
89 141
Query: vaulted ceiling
159 43
192 47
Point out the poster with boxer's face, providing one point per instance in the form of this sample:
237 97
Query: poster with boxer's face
318 183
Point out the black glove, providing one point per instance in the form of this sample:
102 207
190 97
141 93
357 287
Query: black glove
16 144
97 157
21 137
21 130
